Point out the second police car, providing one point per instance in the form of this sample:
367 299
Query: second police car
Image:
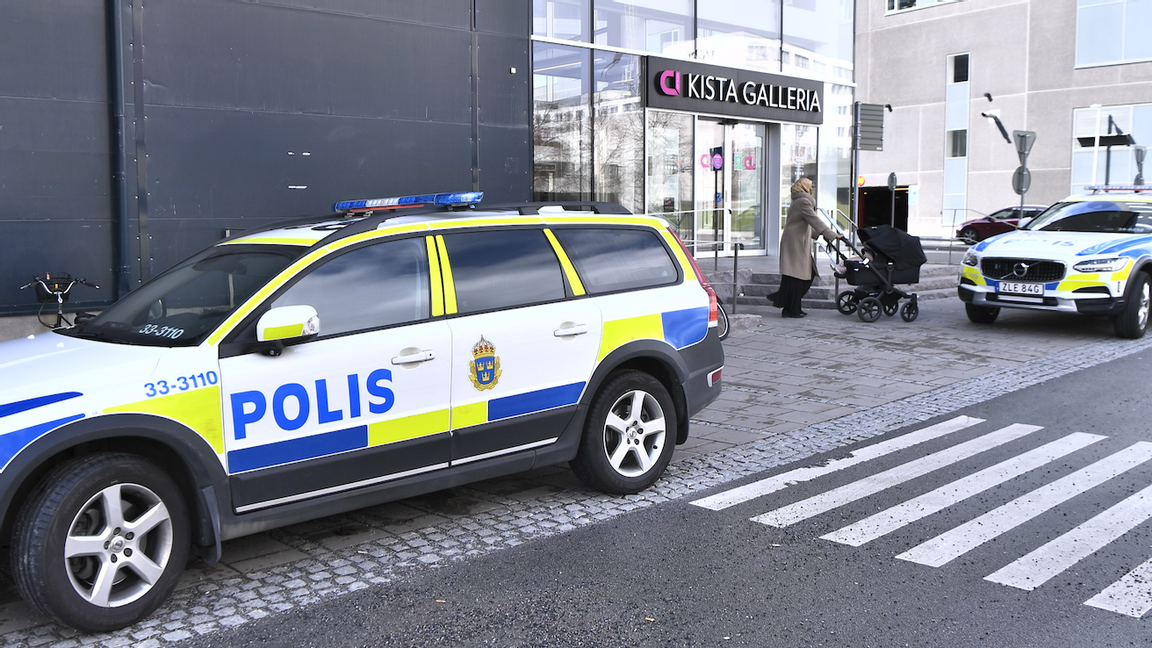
396 347
1089 254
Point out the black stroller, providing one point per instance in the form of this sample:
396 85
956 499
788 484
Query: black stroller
889 256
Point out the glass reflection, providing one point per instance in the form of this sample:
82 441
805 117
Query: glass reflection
561 19
744 33
561 128
818 39
619 130
660 28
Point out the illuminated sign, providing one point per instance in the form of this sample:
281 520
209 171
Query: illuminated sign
680 85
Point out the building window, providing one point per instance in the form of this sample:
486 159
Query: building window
958 68
957 143
1123 133
895 6
1110 32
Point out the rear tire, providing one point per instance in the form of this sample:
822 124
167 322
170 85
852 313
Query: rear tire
629 436
1133 322
722 325
101 542
847 301
981 314
870 309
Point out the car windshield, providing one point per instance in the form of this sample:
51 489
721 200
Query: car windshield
183 305
1108 216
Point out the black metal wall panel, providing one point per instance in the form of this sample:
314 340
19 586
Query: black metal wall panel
507 17
55 208
213 169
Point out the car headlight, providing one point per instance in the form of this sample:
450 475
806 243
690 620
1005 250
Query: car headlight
971 259
1101 265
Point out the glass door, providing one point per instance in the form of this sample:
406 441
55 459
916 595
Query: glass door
730 190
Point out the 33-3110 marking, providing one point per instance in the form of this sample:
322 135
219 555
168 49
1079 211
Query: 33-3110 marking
183 383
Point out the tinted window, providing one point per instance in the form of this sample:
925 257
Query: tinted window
503 269
1118 217
181 306
366 288
618 259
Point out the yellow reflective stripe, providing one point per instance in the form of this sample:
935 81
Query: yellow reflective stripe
283 332
968 272
468 415
1121 275
408 427
480 222
1077 281
569 270
198 409
446 272
377 233
274 241
259 296
689 273
622 331
435 281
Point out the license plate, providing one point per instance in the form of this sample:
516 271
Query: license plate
1016 288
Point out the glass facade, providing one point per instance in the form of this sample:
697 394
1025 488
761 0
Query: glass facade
719 181
1117 164
1109 32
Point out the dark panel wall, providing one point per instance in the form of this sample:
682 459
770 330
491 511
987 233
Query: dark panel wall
247 111
55 209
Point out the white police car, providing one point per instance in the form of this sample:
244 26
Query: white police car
1089 254
396 347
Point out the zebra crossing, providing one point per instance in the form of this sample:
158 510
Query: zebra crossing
1131 595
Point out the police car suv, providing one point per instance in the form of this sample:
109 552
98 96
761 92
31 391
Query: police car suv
397 347
1089 254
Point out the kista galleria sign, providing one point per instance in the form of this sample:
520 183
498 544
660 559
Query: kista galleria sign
680 85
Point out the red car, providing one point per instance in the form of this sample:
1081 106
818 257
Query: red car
998 222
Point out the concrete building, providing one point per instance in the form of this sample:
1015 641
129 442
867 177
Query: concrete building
1065 69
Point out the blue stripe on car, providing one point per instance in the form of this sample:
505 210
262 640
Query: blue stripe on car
311 447
685 327
15 441
32 403
534 401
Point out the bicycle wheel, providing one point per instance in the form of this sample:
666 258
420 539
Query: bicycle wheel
722 329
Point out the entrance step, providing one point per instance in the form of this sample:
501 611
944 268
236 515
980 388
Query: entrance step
936 282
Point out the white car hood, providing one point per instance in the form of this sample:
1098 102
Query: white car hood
1069 247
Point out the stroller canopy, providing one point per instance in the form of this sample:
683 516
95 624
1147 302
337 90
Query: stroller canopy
901 248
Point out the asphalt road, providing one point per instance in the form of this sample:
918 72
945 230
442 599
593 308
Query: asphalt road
680 574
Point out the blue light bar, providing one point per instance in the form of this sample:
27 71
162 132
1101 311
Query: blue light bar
456 198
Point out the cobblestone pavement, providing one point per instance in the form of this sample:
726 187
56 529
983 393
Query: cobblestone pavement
793 388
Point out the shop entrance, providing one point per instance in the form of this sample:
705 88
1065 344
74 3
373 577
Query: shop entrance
729 184
876 207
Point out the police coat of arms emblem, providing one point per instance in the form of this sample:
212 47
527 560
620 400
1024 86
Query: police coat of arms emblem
485 365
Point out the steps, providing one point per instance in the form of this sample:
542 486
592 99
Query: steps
936 282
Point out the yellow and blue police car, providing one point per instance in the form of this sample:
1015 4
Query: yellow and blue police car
1088 254
395 347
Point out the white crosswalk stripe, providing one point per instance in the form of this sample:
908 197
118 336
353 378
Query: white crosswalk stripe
763 487
1131 595
966 537
921 507
1043 564
848 493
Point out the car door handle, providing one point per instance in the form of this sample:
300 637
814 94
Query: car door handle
568 329
411 356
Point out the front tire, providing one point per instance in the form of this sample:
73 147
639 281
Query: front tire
969 235
1133 322
629 436
101 542
981 314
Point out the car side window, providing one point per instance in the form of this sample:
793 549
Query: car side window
503 269
613 259
370 287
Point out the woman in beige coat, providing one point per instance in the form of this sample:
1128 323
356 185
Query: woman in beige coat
797 265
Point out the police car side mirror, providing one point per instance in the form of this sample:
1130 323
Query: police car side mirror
287 323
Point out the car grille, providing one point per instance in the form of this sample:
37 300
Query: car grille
1003 269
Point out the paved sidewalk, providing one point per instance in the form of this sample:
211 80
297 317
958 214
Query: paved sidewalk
792 388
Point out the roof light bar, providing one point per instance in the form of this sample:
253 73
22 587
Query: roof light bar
455 198
1106 188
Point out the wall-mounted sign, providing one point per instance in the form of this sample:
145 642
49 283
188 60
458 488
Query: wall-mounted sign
681 85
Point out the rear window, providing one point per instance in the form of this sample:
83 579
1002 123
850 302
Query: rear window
614 259
503 269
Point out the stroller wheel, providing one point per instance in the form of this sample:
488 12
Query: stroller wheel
847 301
869 309
909 312
890 309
